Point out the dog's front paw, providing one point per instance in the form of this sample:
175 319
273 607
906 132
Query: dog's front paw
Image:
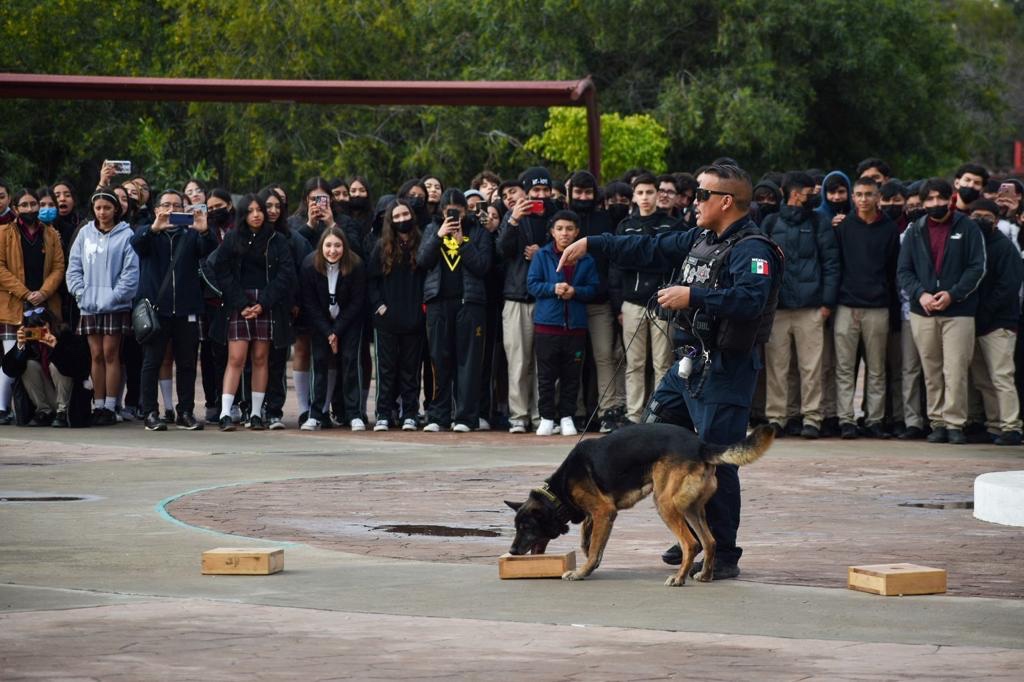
675 581
704 577
573 575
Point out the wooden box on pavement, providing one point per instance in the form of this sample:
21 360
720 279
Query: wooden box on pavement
535 565
897 579
243 561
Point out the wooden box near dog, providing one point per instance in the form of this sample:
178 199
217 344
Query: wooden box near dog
535 565
244 561
897 579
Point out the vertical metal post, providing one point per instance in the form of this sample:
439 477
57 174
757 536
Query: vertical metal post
593 132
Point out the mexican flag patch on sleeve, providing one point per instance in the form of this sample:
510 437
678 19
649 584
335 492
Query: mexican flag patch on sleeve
759 266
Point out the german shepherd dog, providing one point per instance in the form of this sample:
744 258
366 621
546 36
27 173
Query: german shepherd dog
601 476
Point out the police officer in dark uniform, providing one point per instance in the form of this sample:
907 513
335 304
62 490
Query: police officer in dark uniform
724 302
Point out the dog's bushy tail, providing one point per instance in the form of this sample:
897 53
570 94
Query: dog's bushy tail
747 452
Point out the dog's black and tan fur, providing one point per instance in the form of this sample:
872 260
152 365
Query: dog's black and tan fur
600 477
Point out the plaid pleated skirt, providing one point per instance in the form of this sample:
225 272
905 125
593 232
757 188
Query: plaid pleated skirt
105 324
8 332
255 329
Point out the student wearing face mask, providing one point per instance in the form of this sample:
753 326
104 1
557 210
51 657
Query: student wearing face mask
31 272
171 253
213 355
996 324
891 202
941 265
604 341
103 275
969 180
456 255
836 193
618 200
395 295
333 284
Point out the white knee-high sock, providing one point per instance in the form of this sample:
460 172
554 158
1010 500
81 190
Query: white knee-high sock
257 404
301 381
6 382
167 393
227 401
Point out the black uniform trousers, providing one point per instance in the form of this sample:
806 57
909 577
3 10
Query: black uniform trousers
717 422
184 336
348 391
455 334
398 373
559 359
213 360
277 382
131 355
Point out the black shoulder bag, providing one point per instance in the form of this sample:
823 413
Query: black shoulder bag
145 322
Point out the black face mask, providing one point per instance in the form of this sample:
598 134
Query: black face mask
359 203
968 194
915 214
618 213
937 212
417 204
894 211
985 224
767 208
218 217
29 217
582 205
404 226
838 207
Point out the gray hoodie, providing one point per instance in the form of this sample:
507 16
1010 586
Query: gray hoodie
103 269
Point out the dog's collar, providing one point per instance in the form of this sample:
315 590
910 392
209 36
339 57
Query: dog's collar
564 511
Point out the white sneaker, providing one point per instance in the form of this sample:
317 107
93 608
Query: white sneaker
432 427
460 428
484 425
516 426
310 425
546 428
568 427
357 424
409 425
381 425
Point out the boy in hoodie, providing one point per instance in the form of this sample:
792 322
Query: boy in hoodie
968 182
633 295
560 323
868 247
941 265
992 371
809 290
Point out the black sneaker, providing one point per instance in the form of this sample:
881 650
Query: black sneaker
212 415
103 417
6 418
226 424
898 429
848 431
303 416
255 423
1008 438
939 435
723 571
810 432
793 426
673 556
877 431
154 423
60 420
188 422
779 431
830 427
912 433
169 416
41 419
956 437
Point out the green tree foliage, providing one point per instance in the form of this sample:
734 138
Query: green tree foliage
775 84
636 141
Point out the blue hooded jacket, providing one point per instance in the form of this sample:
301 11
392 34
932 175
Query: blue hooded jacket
823 208
541 281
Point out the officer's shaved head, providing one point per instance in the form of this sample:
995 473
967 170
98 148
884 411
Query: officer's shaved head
734 180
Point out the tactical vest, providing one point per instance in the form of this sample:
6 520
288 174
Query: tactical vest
703 268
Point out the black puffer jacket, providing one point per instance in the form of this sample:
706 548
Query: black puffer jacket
638 285
475 262
999 293
811 279
512 242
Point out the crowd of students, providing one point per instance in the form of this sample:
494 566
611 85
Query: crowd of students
455 295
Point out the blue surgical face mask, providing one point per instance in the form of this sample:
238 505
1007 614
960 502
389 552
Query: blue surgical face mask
47 214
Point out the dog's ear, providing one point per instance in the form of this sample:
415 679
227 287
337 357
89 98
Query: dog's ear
514 505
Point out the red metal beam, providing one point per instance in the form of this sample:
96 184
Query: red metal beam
374 93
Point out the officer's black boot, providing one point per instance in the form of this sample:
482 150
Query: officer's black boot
673 556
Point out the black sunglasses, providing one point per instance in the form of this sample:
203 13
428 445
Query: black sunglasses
704 194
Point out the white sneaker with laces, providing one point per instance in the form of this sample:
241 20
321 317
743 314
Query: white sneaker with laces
568 427
460 428
357 424
409 425
310 425
381 425
546 428
484 425
432 427
516 426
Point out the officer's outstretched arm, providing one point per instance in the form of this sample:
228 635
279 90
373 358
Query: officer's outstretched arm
662 252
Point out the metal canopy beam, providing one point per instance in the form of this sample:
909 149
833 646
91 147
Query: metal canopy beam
373 93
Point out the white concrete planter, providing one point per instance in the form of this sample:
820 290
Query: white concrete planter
999 497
